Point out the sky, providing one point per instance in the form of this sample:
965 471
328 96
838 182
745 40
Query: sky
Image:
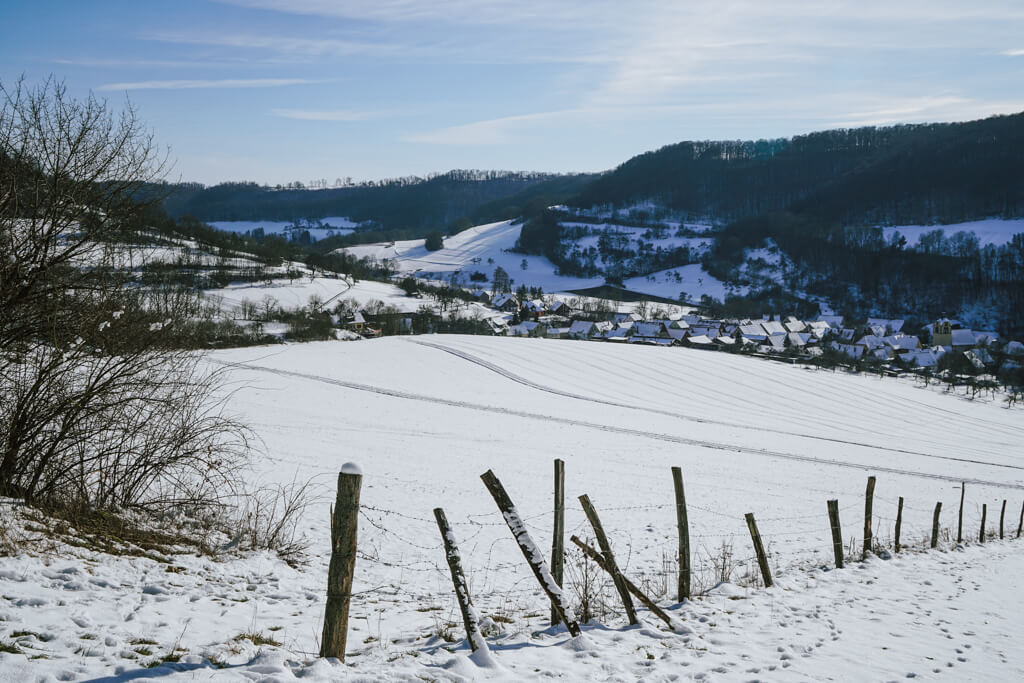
276 91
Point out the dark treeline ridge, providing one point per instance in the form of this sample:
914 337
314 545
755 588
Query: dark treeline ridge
392 209
906 174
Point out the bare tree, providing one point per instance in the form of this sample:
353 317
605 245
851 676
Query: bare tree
101 406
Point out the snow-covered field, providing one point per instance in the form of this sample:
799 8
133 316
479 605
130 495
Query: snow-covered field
425 416
297 293
990 231
338 225
469 251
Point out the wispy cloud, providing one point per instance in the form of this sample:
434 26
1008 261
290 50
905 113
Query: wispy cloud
221 83
1014 53
321 115
499 131
305 45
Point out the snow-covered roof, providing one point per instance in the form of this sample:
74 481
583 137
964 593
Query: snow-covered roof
1014 348
700 340
648 329
799 339
777 341
871 341
902 342
963 338
753 332
892 326
794 325
773 327
582 327
502 299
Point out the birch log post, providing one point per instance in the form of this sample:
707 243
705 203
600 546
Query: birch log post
530 550
451 551
609 559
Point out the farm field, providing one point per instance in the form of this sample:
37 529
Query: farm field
425 416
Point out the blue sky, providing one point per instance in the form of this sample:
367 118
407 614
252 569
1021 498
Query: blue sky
283 90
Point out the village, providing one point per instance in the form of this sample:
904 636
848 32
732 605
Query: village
880 343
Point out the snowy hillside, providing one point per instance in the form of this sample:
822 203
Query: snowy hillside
992 231
482 248
318 229
425 416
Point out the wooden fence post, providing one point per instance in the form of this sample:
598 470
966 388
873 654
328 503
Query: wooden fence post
1020 524
683 524
762 559
609 559
344 520
837 532
935 524
529 549
899 522
451 553
984 514
869 495
1002 514
558 534
960 517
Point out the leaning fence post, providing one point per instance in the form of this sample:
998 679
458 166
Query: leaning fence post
762 559
1002 514
837 532
935 524
899 522
609 558
960 517
344 520
984 514
640 595
869 495
683 523
1020 524
529 549
451 552
558 534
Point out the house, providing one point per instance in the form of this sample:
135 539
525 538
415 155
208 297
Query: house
961 339
582 329
505 302
754 333
625 318
794 325
902 342
777 342
650 332
527 329
888 326
871 342
358 322
835 321
819 328
561 308
557 333
700 340
852 350
922 358
771 327
534 306
799 339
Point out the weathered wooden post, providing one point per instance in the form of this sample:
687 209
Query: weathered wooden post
1020 524
683 524
960 517
344 520
451 551
935 524
609 558
837 532
1002 515
984 514
899 522
640 595
762 558
869 495
558 534
529 549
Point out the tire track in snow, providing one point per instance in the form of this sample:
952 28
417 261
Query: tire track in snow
669 438
657 411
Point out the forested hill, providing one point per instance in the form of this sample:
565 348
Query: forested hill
899 174
406 205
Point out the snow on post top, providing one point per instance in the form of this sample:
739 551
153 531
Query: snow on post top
351 468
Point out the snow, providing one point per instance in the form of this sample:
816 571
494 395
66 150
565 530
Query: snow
426 421
693 280
339 225
294 294
469 251
989 231
351 468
